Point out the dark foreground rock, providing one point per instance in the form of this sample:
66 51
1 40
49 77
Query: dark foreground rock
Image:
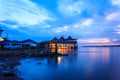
9 75
7 70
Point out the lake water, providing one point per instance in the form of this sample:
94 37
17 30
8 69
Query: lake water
87 63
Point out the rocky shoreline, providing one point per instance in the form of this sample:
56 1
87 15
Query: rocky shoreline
11 58
7 70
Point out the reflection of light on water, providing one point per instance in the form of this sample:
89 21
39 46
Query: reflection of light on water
82 65
103 53
59 59
93 55
106 54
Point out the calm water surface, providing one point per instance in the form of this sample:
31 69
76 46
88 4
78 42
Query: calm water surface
87 63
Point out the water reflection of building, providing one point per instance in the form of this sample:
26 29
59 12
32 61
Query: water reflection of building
52 61
58 60
55 61
59 45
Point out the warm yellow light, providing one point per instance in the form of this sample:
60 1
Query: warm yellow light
59 59
1 39
59 49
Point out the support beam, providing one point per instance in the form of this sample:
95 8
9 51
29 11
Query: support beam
56 48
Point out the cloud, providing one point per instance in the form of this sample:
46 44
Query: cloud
113 16
81 18
87 22
117 29
96 27
25 17
60 29
77 28
112 20
83 22
24 13
116 2
95 40
70 7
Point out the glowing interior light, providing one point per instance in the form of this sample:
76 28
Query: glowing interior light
59 49
1 39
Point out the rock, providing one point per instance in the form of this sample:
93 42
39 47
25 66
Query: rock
39 63
9 76
3 66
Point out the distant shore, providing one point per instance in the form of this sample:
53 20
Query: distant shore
102 45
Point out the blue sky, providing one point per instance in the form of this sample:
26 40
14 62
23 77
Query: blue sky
86 20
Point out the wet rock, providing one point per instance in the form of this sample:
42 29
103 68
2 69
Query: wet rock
39 63
3 66
9 76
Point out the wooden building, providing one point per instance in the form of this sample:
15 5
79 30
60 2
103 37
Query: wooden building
14 44
28 44
5 43
56 45
44 45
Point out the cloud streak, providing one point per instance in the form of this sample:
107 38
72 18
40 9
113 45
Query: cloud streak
78 18
70 7
113 16
24 12
116 2
60 29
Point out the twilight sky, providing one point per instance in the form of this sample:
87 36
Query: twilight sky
86 20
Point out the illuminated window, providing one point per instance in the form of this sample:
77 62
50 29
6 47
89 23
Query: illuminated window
52 45
2 39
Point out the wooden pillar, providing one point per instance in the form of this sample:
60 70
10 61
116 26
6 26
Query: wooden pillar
74 45
0 47
64 45
49 46
29 48
56 47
